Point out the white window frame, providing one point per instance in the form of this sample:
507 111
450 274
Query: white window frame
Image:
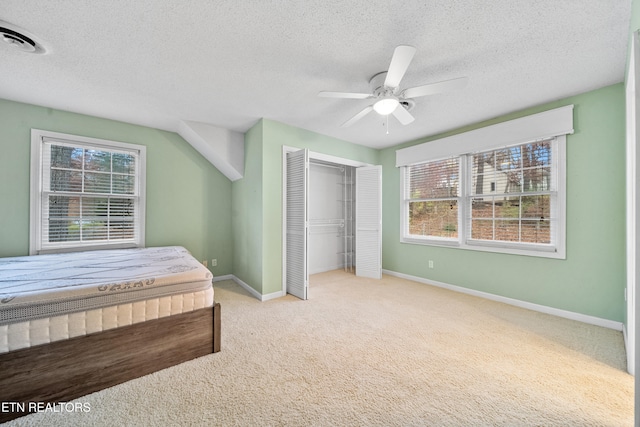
554 123
37 245
406 201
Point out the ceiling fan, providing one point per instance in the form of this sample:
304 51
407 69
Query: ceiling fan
385 89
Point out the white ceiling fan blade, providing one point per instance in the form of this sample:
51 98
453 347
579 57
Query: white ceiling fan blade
433 88
403 115
400 61
357 117
349 95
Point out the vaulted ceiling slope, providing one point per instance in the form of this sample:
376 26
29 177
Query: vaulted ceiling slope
228 63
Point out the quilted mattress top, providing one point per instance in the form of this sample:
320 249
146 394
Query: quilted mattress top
45 285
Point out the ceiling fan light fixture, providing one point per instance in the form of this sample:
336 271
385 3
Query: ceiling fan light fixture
386 106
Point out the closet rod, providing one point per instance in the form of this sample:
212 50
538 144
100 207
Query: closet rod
327 166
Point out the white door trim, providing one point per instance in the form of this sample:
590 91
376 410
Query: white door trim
312 156
632 197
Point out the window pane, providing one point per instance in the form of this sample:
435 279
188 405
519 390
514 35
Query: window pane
434 179
64 207
123 184
481 160
496 172
537 179
90 218
65 180
63 230
524 168
94 207
96 160
121 208
94 230
508 159
507 207
536 154
123 163
507 231
536 206
435 218
536 231
498 207
484 183
64 215
66 157
97 182
482 229
508 181
482 207
121 229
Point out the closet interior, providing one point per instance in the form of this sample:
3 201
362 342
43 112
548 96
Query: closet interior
331 213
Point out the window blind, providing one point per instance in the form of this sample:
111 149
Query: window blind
89 193
432 192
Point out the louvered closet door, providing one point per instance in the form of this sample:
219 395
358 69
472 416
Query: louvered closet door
297 189
369 222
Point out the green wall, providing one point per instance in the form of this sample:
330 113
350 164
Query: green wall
190 203
263 268
592 278
247 213
188 200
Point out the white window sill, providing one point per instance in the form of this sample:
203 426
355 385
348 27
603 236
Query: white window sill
79 248
543 251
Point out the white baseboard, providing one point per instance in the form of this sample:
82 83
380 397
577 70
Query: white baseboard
592 320
221 278
631 363
248 288
272 295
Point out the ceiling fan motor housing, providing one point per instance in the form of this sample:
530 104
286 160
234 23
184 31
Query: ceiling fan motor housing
379 90
377 85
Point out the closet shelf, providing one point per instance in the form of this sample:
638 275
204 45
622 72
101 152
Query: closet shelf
326 222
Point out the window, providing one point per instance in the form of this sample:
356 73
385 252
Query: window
432 199
518 205
85 193
505 198
478 191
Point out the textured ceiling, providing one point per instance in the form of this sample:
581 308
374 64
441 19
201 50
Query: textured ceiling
229 63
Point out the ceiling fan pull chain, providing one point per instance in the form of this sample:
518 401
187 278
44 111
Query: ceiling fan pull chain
387 116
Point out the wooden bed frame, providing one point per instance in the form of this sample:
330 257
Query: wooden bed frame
65 370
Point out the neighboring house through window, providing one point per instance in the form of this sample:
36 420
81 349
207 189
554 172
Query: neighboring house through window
86 193
499 188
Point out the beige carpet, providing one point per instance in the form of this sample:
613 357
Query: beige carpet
391 353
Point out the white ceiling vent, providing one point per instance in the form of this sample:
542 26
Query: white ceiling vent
20 39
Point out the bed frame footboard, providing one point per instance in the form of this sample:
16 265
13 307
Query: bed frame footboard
65 370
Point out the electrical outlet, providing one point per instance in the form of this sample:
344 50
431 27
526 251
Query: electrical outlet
214 262
430 263
205 263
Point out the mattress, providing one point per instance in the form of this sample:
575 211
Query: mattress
47 286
